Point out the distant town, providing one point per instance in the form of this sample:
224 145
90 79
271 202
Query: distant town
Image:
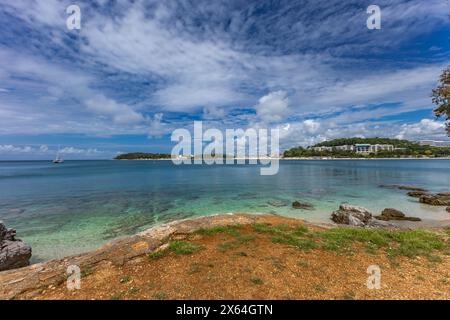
341 148
373 148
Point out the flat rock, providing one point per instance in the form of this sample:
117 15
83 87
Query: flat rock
394 214
402 187
439 199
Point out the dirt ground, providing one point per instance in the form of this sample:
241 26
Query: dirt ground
258 268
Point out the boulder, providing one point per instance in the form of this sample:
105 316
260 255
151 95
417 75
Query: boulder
394 214
302 205
448 209
352 215
439 199
14 253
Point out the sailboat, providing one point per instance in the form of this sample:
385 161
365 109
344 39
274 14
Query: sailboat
58 158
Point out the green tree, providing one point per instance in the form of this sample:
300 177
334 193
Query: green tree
441 97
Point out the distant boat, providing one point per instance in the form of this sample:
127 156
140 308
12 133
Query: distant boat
58 158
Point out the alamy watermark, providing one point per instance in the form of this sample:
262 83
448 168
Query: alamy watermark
240 146
374 279
73 22
73 278
374 20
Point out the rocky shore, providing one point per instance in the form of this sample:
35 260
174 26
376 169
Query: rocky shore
14 253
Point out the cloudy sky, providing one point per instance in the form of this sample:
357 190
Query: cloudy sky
137 70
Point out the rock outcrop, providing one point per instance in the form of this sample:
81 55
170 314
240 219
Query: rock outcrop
439 199
302 205
352 215
14 253
394 214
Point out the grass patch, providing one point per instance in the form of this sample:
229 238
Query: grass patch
183 247
225 246
158 254
133 290
267 228
232 230
408 243
299 243
320 288
256 280
160 296
116 296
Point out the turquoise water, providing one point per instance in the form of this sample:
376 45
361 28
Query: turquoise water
77 206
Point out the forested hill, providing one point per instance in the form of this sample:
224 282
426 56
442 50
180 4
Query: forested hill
352 141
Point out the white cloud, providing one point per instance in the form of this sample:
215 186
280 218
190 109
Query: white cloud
425 128
73 150
273 107
120 113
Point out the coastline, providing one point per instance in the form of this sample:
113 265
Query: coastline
306 158
47 279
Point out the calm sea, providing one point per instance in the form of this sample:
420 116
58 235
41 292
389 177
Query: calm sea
77 206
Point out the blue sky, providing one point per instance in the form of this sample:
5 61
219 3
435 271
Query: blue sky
137 70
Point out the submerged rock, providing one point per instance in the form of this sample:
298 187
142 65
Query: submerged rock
439 199
394 214
278 203
352 215
14 253
402 187
302 205
417 194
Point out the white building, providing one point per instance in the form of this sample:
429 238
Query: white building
320 149
434 143
345 147
366 148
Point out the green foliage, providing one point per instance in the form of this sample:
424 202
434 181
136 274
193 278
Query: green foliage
409 243
408 148
182 247
256 280
142 156
232 230
441 97
158 254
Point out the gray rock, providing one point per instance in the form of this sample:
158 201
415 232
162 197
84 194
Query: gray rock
14 253
439 199
394 214
302 205
352 215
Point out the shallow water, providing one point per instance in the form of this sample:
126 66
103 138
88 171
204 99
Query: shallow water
77 206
